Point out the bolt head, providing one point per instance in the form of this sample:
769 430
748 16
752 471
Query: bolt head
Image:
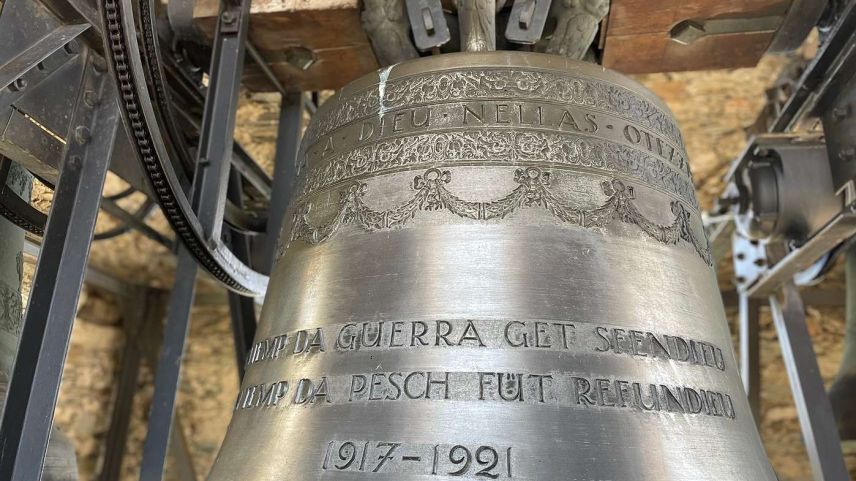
82 134
300 57
90 98
18 84
228 16
99 64
72 47
687 32
840 113
847 153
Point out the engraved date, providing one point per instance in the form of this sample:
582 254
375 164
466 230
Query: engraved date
466 461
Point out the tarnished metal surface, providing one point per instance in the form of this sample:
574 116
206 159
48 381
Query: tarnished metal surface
494 267
477 23
577 24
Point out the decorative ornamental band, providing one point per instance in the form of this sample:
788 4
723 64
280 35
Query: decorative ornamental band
491 84
533 191
499 147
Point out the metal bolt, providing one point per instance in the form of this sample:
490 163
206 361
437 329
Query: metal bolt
687 32
82 134
840 113
847 153
72 47
300 57
18 84
90 98
740 256
99 64
75 162
228 16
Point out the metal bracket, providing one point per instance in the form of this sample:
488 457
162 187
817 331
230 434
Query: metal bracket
690 31
428 24
840 229
527 20
59 273
820 434
28 59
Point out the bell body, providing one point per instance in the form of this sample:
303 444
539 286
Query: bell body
494 268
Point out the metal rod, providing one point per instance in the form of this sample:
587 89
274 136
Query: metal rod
218 121
242 309
820 434
750 358
263 65
56 287
284 170
130 220
140 308
167 376
150 342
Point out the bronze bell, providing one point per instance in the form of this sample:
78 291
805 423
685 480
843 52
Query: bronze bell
494 267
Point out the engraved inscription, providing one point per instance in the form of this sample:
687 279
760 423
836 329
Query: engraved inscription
459 460
570 390
562 336
489 83
269 395
651 397
534 190
300 342
522 117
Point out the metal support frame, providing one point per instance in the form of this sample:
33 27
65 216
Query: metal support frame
218 121
62 257
59 274
209 193
242 309
750 352
820 434
28 59
167 375
143 334
285 170
135 320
